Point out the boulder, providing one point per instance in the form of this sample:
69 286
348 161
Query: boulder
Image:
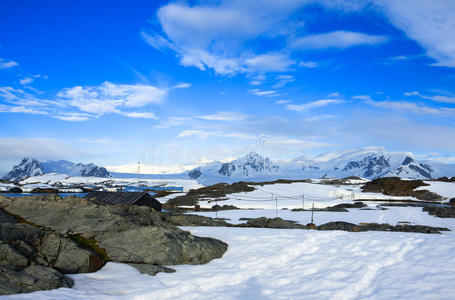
159 246
151 269
193 220
15 280
264 222
130 234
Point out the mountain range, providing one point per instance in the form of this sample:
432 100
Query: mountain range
31 167
370 163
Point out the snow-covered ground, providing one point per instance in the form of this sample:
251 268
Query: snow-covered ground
65 180
392 216
295 195
288 264
445 189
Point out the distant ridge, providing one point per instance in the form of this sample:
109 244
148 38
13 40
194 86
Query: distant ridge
31 167
370 163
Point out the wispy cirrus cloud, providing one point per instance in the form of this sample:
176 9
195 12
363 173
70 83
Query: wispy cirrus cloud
428 23
437 98
336 39
212 36
411 107
81 103
7 64
203 134
225 116
264 93
314 104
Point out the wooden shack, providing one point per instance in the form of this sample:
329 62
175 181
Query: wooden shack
127 198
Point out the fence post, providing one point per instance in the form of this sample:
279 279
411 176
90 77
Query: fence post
276 203
312 211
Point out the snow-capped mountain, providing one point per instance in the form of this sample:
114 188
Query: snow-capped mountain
31 167
252 166
370 162
27 167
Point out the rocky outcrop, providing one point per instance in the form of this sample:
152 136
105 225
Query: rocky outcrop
193 220
264 222
219 190
441 212
130 234
394 186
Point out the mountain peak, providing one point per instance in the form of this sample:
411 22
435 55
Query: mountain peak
29 167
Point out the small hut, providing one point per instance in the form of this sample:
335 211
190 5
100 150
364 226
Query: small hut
127 198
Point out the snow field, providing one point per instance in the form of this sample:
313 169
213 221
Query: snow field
288 264
445 189
295 195
393 215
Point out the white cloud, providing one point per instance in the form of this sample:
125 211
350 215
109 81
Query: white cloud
81 103
225 116
404 106
312 105
21 109
26 80
282 101
414 93
336 39
270 62
199 133
255 82
202 134
334 95
318 118
40 148
362 97
143 115
429 23
110 98
309 64
73 117
282 80
212 35
4 64
182 86
437 98
261 93
173 122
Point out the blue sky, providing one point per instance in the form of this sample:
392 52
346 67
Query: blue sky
184 82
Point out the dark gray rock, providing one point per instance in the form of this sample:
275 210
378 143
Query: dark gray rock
15 280
193 220
441 212
130 234
151 269
264 222
67 256
10 256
